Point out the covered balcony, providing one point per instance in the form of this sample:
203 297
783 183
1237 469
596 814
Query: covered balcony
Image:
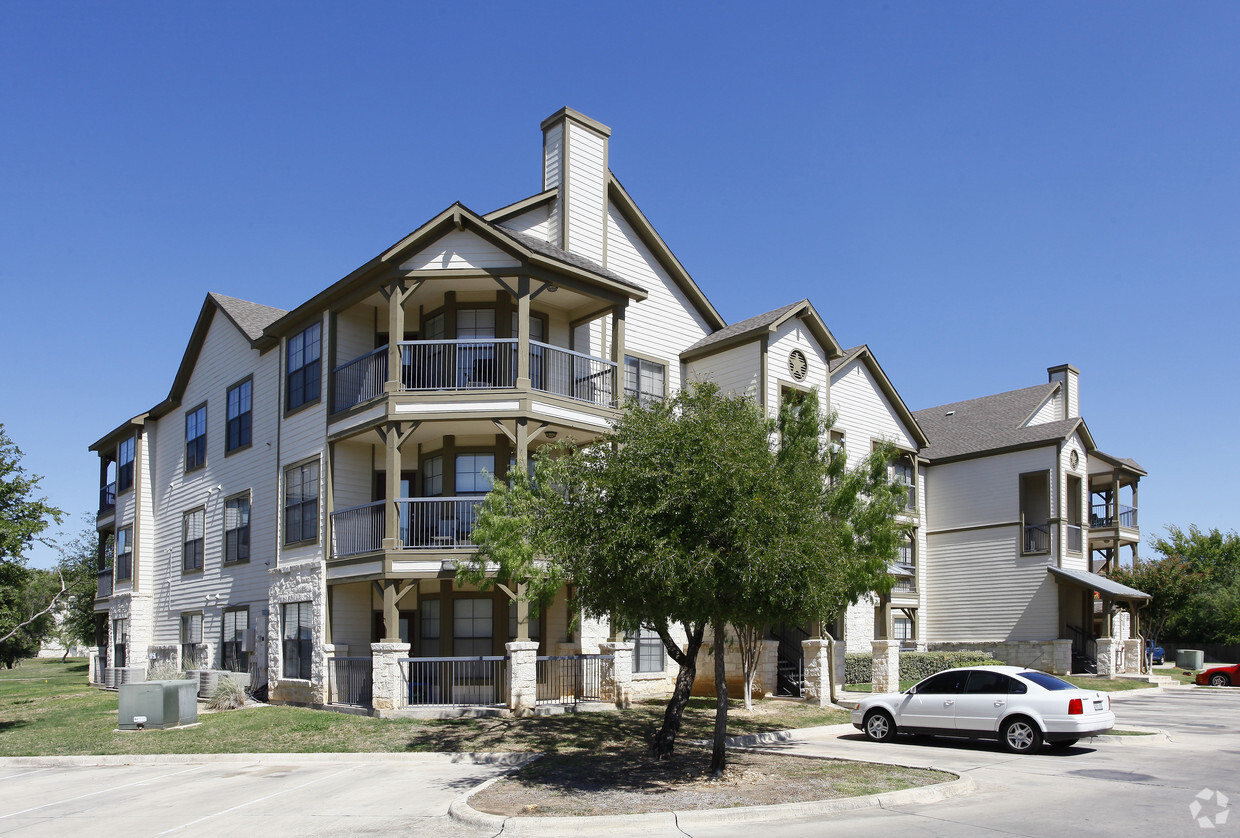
442 340
1113 521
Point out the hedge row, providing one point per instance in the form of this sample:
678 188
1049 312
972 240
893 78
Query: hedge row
859 668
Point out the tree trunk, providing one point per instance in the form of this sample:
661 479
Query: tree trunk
665 740
718 757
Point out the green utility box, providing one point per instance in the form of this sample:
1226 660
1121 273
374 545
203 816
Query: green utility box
157 705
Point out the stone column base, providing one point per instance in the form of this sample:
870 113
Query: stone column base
1133 655
386 680
522 676
885 675
1108 656
619 676
816 688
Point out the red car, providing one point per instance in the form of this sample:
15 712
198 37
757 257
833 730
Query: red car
1220 676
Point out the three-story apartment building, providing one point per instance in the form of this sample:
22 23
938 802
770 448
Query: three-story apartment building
307 486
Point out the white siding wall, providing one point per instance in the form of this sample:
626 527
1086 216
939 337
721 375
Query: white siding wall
982 491
534 222
553 148
1051 411
457 250
1081 561
352 618
355 333
586 209
863 412
302 436
352 473
225 358
663 325
735 370
789 336
980 590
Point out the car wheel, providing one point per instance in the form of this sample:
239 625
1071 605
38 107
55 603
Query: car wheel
1020 736
1062 744
1220 680
879 726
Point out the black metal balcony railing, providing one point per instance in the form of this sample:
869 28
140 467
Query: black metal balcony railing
103 587
425 524
1103 515
480 680
1037 538
428 365
107 497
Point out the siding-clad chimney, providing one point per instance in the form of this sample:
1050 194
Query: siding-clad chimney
575 162
1069 377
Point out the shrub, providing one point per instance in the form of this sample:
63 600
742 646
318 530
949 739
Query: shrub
166 672
228 695
859 668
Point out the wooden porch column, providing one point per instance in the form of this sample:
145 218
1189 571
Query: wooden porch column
617 353
394 434
523 333
396 293
523 613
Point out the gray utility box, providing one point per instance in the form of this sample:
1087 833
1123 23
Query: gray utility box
161 703
1189 659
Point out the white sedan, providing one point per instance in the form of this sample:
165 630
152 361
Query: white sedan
1021 708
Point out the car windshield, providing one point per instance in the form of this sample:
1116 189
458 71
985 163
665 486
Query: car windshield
1046 682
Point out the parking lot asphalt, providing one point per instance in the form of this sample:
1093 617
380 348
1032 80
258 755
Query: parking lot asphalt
1134 786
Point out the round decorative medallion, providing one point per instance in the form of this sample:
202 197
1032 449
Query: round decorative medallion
797 365
1075 459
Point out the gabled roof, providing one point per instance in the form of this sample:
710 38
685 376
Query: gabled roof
504 213
765 324
993 424
1123 462
865 356
250 319
655 244
527 249
1101 584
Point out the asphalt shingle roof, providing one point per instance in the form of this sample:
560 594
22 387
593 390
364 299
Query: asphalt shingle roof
251 318
835 363
989 423
753 324
552 252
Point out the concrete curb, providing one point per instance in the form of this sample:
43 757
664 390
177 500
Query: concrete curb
515 760
461 811
1153 735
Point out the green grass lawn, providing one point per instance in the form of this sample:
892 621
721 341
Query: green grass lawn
47 708
1106 684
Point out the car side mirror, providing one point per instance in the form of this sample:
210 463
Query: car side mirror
911 691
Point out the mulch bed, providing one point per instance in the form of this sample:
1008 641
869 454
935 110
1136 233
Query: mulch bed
628 782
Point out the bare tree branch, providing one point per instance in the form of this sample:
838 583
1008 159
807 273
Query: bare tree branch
55 598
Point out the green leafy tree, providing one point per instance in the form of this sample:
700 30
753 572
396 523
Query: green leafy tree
1210 614
1172 582
79 567
24 517
692 512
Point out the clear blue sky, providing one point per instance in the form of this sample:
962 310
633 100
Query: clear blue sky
977 190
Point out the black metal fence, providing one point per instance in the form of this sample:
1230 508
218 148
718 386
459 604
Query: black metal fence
568 679
349 681
459 681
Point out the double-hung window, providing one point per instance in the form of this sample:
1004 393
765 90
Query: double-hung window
191 637
124 465
240 413
472 621
645 381
232 652
304 350
298 623
196 438
301 503
901 472
124 553
648 651
237 529
192 540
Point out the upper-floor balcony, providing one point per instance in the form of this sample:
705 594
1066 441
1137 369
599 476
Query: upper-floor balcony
1107 515
107 498
425 524
474 364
